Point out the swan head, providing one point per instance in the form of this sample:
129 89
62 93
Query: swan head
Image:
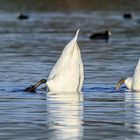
127 82
34 87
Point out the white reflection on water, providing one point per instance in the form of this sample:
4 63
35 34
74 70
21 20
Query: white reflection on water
132 100
65 115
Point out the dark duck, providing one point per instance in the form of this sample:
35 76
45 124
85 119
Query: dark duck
127 16
101 35
22 16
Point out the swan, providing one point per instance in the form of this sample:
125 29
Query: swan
68 72
132 83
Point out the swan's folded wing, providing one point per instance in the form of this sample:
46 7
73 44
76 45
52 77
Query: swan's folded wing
136 77
64 58
81 76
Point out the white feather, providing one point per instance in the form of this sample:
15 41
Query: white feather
128 82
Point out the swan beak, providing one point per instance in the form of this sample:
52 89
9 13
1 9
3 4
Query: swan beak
119 84
34 87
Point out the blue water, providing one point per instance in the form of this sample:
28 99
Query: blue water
28 51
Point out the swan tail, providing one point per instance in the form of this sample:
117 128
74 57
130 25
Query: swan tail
76 36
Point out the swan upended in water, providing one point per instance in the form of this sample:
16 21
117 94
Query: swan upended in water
132 83
68 72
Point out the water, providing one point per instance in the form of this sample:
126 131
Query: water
28 51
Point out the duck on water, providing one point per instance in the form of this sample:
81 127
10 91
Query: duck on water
105 35
22 16
68 72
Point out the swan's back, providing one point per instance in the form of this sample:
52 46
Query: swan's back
68 73
136 77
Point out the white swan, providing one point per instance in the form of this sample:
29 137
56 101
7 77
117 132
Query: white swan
132 83
68 72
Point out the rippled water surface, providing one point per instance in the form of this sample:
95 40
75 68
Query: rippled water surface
28 51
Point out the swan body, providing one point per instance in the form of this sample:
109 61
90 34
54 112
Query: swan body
132 83
68 73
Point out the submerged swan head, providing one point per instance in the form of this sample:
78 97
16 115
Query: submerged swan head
68 72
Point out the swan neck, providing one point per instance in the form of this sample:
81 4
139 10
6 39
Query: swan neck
122 81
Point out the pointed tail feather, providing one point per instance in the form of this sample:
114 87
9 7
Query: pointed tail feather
76 36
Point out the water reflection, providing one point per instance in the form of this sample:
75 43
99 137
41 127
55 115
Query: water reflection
23 116
111 115
133 110
65 115
104 115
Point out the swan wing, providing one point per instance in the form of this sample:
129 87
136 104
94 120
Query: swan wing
67 73
136 77
81 71
60 64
